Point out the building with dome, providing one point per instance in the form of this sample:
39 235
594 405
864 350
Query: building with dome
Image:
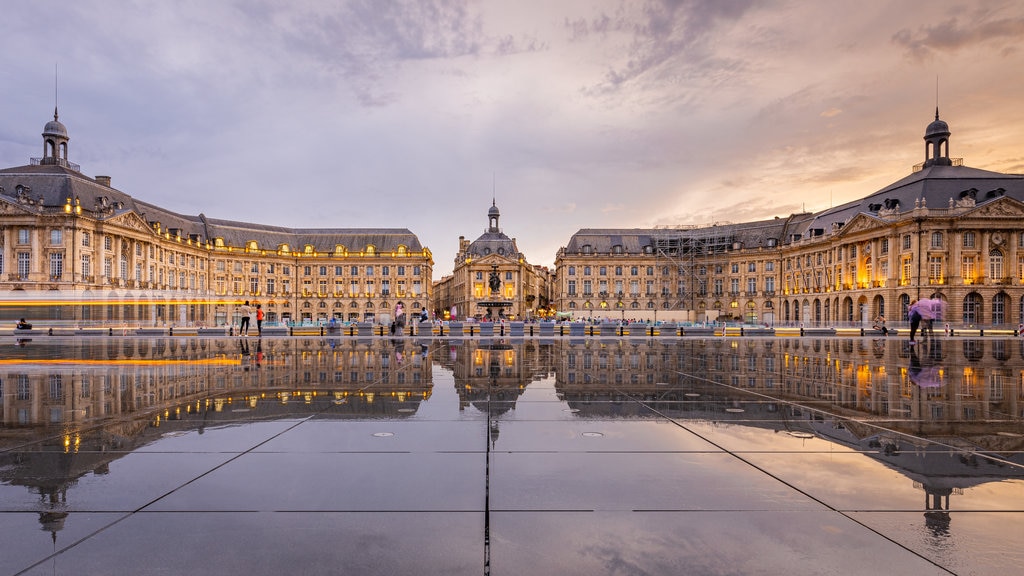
492 279
77 251
945 231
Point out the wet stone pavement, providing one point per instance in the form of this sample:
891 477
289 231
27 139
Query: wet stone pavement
191 455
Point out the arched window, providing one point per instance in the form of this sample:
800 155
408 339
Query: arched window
972 308
995 265
999 305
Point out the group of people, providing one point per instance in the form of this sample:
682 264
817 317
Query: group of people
923 313
246 311
398 323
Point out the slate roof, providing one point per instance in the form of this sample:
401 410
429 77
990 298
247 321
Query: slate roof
54 184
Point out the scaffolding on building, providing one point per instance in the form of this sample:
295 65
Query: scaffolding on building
697 260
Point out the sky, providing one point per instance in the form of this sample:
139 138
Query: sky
568 114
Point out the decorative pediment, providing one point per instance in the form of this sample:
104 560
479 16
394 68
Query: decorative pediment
859 223
132 221
1002 208
8 207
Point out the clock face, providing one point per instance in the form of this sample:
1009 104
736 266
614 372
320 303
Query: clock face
867 249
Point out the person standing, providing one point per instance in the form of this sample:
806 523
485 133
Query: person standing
399 324
259 320
915 319
245 311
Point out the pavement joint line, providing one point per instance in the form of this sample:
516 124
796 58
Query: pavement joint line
775 477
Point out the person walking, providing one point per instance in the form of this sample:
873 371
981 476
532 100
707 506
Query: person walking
244 311
259 320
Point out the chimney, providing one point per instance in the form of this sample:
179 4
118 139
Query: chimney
103 180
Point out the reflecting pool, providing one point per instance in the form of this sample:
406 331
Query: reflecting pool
195 455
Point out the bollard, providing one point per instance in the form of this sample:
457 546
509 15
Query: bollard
110 331
49 332
170 331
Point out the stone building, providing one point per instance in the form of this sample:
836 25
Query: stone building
492 278
946 231
75 250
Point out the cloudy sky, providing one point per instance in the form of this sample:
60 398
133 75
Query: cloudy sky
571 113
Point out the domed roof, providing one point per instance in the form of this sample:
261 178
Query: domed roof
493 210
54 127
937 127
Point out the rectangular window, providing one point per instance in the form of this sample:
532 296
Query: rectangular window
769 283
85 238
967 269
56 237
751 284
385 270
369 270
353 288
322 287
86 265
56 265
23 265
254 284
270 286
588 288
253 269
935 270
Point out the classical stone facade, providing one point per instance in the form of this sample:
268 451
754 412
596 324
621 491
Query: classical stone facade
76 250
492 279
946 231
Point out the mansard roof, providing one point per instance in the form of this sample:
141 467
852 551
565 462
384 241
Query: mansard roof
936 186
50 186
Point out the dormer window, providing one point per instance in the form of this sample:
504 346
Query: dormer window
617 249
251 246
371 249
587 249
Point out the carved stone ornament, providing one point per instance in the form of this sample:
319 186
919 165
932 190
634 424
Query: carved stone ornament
997 239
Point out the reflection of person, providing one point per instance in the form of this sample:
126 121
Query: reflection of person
22 325
244 311
259 353
244 344
925 375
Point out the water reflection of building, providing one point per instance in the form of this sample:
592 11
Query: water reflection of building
77 380
980 380
497 370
